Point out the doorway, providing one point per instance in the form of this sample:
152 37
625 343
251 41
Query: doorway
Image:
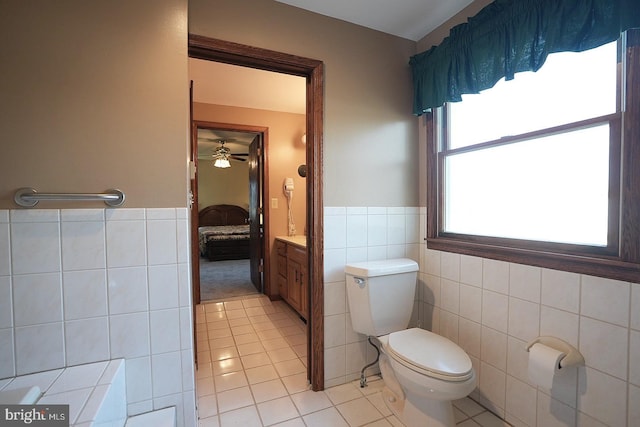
312 70
228 183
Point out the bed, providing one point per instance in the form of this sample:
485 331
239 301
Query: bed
223 232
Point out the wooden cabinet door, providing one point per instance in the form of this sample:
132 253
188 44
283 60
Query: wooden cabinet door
298 283
293 280
283 287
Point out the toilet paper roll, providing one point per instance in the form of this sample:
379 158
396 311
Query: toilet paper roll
544 363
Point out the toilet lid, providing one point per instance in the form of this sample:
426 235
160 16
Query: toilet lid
432 353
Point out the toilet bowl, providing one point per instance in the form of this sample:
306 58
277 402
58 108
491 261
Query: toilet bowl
422 372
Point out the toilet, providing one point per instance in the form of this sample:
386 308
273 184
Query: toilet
422 372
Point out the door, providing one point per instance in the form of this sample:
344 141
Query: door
255 212
258 137
195 251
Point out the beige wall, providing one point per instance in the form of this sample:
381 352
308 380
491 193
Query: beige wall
370 136
223 185
95 97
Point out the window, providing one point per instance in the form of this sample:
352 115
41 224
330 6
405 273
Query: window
537 169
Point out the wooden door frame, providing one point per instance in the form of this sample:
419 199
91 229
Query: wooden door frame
313 70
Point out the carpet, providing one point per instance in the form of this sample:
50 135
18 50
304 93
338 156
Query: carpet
225 279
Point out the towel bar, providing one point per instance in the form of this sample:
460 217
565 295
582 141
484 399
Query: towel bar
29 197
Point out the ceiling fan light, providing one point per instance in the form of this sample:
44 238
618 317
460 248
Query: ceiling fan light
222 163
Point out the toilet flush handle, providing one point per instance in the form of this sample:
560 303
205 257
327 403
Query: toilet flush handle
359 281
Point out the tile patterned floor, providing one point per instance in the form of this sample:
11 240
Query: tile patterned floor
252 372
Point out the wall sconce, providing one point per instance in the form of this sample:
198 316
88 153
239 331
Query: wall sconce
222 162
304 138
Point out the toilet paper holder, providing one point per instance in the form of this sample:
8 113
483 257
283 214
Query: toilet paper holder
572 356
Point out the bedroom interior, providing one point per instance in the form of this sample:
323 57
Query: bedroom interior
224 253
225 275
223 221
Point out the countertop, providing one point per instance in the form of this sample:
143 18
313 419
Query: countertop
300 241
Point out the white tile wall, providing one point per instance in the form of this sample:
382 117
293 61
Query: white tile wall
128 289
87 340
616 294
561 289
86 285
635 305
82 245
163 286
5 249
357 234
117 279
492 309
126 243
37 299
85 294
38 347
6 309
35 241
634 410
7 351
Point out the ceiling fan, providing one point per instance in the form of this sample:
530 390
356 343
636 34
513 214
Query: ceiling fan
222 155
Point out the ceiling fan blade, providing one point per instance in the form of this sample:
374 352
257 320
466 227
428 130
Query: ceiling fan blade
240 154
240 159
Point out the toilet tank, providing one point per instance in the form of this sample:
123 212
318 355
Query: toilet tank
381 295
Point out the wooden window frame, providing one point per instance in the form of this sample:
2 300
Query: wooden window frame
621 258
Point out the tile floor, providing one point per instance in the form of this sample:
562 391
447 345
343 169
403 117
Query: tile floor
252 372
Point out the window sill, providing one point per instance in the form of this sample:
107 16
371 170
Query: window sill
607 267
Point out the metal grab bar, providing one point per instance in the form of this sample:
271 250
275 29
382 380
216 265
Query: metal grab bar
29 197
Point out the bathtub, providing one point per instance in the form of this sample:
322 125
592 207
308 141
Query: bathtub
95 392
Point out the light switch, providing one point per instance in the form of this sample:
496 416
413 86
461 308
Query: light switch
274 203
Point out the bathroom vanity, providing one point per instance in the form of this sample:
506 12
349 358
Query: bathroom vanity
293 286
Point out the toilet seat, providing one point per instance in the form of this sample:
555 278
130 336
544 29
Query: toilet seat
429 354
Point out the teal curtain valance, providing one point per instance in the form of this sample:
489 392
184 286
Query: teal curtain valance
510 36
